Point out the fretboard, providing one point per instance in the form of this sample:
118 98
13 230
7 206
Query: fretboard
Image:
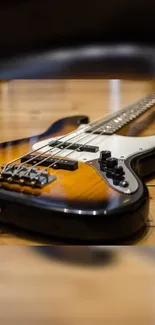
124 116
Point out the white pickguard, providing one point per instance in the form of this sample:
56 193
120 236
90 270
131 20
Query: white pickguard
120 146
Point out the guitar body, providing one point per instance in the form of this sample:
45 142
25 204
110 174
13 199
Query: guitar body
78 205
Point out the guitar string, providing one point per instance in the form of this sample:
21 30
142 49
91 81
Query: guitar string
100 120
45 169
46 158
50 150
60 138
87 127
59 159
61 150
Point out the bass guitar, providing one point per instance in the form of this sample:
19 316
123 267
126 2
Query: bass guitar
80 181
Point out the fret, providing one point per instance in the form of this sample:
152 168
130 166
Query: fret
112 124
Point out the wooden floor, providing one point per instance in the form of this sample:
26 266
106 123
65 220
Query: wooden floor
29 107
36 288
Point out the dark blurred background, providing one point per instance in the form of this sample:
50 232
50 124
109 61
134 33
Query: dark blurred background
28 25
31 30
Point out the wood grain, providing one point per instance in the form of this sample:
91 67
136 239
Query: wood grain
36 288
28 108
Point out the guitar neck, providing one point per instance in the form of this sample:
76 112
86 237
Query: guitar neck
116 121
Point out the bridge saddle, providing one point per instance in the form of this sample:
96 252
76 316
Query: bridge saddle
25 175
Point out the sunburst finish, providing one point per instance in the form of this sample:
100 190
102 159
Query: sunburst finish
78 205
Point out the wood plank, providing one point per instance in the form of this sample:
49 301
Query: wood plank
37 288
